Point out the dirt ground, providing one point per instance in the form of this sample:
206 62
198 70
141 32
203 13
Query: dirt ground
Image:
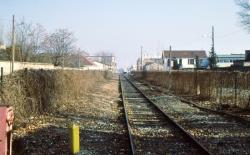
99 115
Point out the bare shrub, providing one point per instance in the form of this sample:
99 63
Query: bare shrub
34 92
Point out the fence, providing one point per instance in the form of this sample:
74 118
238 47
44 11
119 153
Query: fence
227 88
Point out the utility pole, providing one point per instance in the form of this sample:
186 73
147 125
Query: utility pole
141 59
212 58
170 50
213 39
13 44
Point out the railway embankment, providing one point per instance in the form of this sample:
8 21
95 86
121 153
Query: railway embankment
217 90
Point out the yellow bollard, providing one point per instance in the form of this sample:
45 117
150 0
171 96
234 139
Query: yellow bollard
74 139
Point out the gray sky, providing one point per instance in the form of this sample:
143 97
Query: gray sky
122 26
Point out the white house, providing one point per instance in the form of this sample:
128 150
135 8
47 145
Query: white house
184 59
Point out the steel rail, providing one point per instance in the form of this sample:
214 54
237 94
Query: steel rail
188 135
226 115
132 146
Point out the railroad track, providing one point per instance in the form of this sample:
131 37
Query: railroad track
220 133
151 131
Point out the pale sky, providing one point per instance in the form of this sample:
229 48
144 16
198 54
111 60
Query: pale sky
122 26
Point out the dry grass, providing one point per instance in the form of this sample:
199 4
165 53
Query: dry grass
220 88
34 92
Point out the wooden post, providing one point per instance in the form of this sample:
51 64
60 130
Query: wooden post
221 86
235 88
198 89
1 76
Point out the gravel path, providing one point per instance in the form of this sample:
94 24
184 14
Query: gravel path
103 129
99 113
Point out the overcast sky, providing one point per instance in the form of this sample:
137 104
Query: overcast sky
122 26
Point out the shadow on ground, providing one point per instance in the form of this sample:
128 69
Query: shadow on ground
55 140
48 140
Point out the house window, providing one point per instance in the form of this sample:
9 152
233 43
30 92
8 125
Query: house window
191 61
180 61
168 62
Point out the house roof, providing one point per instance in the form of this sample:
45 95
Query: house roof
86 61
74 58
231 56
185 53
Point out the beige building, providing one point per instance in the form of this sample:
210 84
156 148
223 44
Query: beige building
2 47
153 67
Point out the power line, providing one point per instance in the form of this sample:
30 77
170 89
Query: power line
6 19
207 36
229 34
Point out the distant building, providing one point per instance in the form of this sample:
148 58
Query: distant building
152 60
247 55
184 59
2 47
243 63
153 67
108 61
75 60
148 59
227 60
132 68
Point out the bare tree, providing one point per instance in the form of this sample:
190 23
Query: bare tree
59 44
1 34
105 57
29 38
244 13
37 38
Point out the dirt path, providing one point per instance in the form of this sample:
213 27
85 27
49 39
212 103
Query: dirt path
99 115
